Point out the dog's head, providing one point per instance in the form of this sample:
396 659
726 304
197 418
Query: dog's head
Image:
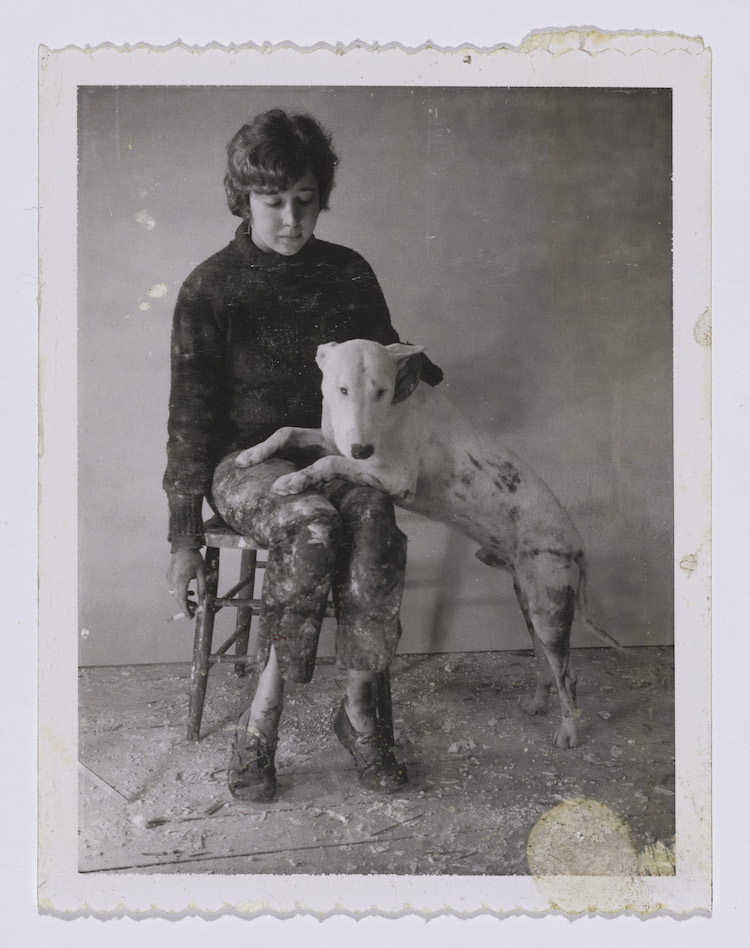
360 379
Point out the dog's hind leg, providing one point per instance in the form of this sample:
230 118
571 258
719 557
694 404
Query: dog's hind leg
539 703
547 584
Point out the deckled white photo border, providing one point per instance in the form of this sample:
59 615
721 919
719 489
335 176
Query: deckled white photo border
557 59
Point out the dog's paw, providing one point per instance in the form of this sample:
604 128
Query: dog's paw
289 484
534 705
251 456
565 738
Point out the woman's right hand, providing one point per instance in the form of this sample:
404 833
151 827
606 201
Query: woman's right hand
184 567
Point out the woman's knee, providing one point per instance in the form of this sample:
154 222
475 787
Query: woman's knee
305 536
242 495
369 521
371 572
366 505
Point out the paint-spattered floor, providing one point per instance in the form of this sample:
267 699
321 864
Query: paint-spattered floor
482 773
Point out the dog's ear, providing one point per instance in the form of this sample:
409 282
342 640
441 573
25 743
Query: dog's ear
409 362
401 351
323 349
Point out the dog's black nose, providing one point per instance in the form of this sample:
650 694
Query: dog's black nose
362 451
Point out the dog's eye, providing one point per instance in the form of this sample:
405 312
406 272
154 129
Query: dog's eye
344 391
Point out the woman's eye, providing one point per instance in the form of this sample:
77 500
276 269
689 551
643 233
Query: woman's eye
344 391
380 393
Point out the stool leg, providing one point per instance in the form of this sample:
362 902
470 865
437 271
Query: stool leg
204 630
383 707
245 616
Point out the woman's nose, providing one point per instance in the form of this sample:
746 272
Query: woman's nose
291 214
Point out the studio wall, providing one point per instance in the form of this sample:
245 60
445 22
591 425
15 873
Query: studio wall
522 235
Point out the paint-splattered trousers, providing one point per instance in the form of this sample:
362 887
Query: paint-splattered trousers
342 537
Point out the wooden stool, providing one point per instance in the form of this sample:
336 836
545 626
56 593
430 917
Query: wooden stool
219 536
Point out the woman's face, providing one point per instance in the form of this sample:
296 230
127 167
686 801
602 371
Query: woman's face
284 220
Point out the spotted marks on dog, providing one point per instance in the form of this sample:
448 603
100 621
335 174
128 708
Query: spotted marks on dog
508 478
563 601
563 554
491 559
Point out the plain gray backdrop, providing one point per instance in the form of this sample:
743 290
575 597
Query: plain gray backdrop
522 235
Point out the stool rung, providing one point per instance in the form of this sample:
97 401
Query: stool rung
238 587
255 604
220 658
237 603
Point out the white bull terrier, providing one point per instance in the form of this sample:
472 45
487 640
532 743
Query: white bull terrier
430 459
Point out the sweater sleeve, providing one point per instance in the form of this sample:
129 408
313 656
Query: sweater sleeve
196 361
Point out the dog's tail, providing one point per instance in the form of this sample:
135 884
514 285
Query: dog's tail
583 605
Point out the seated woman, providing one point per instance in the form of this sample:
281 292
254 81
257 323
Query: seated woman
246 328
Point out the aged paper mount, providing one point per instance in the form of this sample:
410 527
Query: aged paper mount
545 60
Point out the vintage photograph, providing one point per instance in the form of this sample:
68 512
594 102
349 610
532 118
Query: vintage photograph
375 392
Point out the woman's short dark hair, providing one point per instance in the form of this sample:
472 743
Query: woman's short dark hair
273 150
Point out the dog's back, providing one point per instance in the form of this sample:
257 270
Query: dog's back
467 480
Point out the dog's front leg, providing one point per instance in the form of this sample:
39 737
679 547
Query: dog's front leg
326 469
283 438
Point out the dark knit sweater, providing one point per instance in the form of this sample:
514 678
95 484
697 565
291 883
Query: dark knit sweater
246 328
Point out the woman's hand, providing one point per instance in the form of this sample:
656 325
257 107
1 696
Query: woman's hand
184 567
